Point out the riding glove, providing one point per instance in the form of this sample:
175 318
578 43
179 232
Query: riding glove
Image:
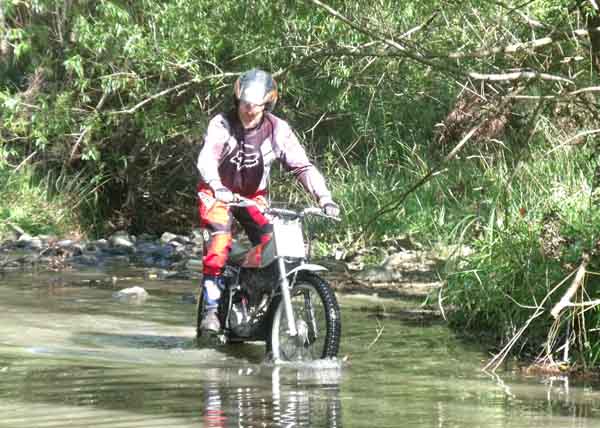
329 207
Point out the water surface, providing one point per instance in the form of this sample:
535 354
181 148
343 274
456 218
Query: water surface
73 356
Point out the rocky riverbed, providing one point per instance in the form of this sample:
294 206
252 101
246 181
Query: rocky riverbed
406 271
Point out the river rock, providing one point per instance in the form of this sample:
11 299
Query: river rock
121 241
86 260
65 243
194 264
98 245
136 293
167 237
35 244
24 239
120 244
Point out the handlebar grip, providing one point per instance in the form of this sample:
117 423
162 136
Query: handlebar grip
283 212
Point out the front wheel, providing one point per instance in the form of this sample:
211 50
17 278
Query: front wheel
318 322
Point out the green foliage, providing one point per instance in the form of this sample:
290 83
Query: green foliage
526 241
27 203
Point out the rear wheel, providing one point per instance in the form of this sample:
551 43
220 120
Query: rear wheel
318 322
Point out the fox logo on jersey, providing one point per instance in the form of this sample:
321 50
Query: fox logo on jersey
245 160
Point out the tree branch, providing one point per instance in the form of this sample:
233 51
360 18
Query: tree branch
430 174
532 44
388 41
495 362
153 97
87 128
171 89
577 282
580 135
518 75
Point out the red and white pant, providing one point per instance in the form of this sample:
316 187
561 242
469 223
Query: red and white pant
217 217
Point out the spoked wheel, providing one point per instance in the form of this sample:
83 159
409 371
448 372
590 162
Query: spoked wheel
318 322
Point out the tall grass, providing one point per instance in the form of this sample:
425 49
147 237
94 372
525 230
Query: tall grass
53 204
539 218
527 214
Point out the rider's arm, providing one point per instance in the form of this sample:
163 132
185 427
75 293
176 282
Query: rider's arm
215 145
293 157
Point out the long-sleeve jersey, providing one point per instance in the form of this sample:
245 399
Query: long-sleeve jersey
240 159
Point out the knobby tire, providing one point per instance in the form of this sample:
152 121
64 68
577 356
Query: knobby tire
327 312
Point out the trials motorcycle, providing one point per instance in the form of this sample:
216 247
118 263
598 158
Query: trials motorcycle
273 294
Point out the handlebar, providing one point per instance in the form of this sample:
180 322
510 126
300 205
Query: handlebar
241 201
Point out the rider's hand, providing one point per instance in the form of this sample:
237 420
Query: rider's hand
330 208
224 195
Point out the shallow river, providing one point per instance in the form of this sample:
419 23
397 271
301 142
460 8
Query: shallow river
73 356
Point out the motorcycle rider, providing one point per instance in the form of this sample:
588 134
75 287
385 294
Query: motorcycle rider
239 148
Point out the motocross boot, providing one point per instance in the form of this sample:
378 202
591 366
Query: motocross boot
211 292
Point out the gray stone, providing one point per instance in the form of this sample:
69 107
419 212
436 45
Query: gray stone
100 244
86 260
194 264
35 244
131 294
65 243
121 242
150 248
24 239
167 237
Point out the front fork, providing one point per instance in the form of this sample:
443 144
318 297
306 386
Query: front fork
284 285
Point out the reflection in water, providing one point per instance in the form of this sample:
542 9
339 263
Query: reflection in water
307 396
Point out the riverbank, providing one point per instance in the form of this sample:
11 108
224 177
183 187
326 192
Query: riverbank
409 274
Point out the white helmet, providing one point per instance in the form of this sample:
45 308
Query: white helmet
256 87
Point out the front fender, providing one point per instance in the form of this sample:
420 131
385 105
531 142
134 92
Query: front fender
307 266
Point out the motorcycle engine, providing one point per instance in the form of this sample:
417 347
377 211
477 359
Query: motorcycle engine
258 282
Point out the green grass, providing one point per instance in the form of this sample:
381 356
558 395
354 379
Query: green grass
39 205
512 270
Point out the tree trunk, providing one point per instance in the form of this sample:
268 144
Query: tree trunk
4 46
593 25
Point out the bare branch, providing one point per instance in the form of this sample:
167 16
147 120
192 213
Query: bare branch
495 362
516 47
529 20
588 89
572 141
87 128
581 135
26 160
172 89
392 206
379 333
555 97
577 282
518 75
390 42
410 32
153 97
